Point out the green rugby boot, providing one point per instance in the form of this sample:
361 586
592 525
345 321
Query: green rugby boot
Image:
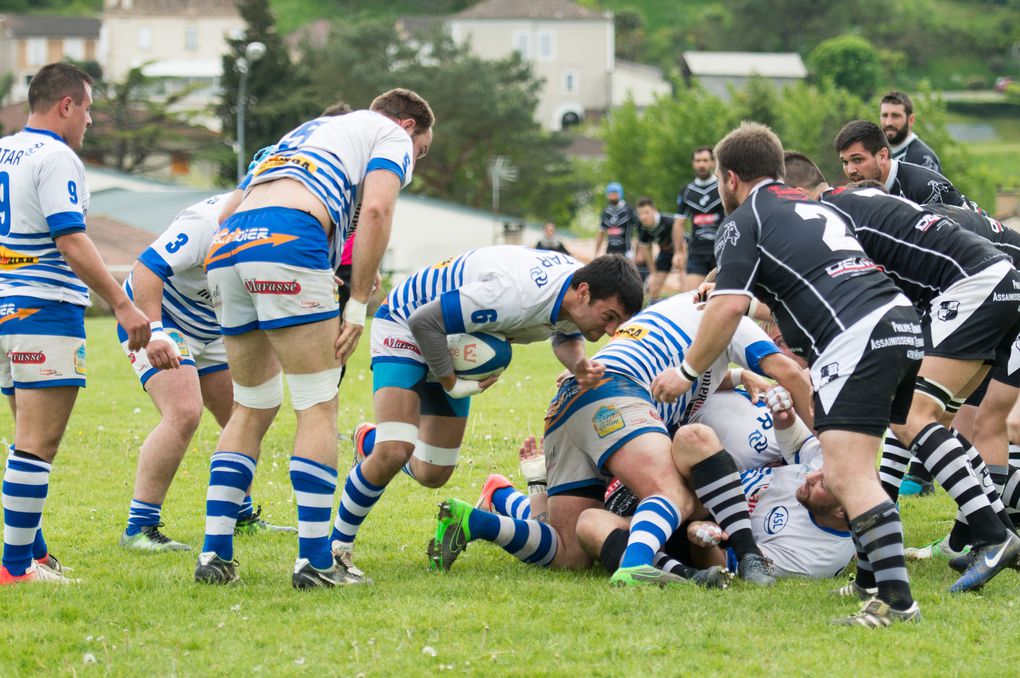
452 534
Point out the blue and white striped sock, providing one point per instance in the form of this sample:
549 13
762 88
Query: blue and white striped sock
358 498
314 487
26 483
247 510
655 520
140 514
507 501
230 474
532 541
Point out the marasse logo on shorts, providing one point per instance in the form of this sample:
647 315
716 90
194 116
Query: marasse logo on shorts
400 345
27 357
272 286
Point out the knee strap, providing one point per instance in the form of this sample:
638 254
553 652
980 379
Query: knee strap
396 431
265 396
307 390
934 390
439 456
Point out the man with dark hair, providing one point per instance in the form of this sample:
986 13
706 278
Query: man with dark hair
271 278
656 228
896 113
967 289
831 303
864 151
699 205
49 264
420 403
617 223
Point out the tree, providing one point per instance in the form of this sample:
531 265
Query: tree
850 61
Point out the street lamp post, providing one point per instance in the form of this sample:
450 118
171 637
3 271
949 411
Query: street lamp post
253 51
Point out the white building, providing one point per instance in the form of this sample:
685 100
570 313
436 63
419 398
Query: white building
717 72
29 42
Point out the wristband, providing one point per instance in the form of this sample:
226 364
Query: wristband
160 335
464 388
537 488
687 372
752 308
737 376
156 326
355 312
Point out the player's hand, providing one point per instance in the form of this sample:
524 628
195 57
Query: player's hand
705 533
755 385
780 402
679 261
669 385
563 376
588 373
465 388
704 289
377 283
162 352
135 324
347 342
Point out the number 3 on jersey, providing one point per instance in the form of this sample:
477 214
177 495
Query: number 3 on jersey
834 235
181 241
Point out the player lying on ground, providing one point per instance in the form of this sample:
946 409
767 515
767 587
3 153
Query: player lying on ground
614 429
183 368
526 295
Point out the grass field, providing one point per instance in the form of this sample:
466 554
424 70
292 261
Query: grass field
142 615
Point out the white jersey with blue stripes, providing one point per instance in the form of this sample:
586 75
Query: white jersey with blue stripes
177 256
332 155
786 532
43 195
515 291
658 338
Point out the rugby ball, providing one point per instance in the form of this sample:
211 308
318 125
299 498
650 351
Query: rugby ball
478 355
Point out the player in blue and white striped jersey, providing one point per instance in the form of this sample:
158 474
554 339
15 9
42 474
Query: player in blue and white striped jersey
183 368
270 269
47 265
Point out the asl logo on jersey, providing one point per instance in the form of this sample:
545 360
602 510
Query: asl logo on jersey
948 310
272 286
776 520
10 260
634 332
27 357
607 420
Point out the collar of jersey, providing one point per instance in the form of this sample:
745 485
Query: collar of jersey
35 130
906 142
894 169
829 530
763 183
702 183
559 300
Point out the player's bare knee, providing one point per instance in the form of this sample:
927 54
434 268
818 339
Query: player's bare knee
692 443
185 415
432 476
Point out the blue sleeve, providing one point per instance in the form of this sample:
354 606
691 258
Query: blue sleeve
64 223
151 260
453 316
385 164
754 353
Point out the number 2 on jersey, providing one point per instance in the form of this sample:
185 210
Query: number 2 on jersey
834 235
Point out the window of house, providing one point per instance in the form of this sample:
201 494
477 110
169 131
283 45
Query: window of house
36 51
546 46
571 82
191 38
74 48
144 38
522 43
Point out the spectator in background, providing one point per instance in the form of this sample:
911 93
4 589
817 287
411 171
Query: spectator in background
618 224
549 241
896 113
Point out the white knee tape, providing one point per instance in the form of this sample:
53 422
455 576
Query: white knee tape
262 397
396 431
439 456
307 390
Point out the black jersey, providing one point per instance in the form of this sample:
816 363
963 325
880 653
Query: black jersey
661 232
1004 238
699 203
619 222
802 259
924 252
915 151
923 186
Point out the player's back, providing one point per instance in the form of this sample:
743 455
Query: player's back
805 264
923 186
526 284
43 195
1003 238
923 251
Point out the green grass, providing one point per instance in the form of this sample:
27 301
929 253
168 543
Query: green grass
142 615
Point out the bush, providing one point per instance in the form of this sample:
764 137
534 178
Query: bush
850 62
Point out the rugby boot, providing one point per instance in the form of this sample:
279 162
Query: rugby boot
150 539
211 569
645 575
988 561
253 524
452 534
877 614
492 483
756 569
